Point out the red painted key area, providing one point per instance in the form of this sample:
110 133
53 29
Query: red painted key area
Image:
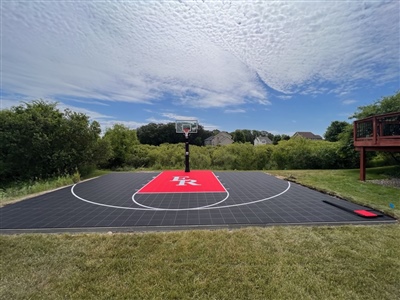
184 182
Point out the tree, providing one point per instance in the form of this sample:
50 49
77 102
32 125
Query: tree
148 134
285 137
334 130
39 141
385 105
122 141
276 139
238 136
157 134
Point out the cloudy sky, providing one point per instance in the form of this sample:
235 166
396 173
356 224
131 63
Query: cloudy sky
266 65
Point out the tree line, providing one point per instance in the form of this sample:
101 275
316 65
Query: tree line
157 134
38 141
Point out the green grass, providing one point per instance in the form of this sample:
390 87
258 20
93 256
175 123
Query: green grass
346 184
344 262
21 190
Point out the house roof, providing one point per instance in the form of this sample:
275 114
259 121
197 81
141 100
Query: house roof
219 135
263 138
308 135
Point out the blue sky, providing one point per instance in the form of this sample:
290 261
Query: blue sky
267 65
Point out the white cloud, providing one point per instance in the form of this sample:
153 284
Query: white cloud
284 97
234 111
206 54
348 102
110 123
173 116
159 121
90 113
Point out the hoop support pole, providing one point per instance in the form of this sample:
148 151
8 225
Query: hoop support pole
187 167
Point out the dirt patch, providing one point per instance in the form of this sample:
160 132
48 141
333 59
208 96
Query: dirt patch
393 182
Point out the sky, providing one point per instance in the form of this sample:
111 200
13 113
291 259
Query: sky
278 66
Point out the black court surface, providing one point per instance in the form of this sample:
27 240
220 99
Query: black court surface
129 202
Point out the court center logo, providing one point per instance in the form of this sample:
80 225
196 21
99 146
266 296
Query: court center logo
184 181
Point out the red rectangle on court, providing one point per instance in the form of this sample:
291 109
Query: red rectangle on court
184 182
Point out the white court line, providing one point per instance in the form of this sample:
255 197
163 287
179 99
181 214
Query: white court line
161 209
102 204
182 209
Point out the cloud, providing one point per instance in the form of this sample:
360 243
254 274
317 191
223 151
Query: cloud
130 124
90 113
203 54
159 121
169 117
348 102
234 111
284 97
173 116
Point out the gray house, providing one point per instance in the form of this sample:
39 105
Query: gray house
222 138
262 140
307 135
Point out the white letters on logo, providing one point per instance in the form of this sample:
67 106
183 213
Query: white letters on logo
184 180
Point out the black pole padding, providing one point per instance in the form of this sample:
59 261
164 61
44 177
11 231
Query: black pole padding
187 168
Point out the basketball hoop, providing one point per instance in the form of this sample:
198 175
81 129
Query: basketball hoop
186 127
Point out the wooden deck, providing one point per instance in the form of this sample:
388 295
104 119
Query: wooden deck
376 133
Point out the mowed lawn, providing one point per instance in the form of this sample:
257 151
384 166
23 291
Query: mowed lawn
346 184
287 262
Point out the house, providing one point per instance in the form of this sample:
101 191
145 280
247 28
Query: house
307 135
262 140
222 138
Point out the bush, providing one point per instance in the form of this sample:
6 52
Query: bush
76 177
300 153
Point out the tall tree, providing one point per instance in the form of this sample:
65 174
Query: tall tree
334 130
384 105
39 141
157 134
277 138
238 136
122 141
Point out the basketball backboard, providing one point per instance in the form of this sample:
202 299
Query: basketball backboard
182 125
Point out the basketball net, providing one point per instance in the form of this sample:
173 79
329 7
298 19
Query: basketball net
186 132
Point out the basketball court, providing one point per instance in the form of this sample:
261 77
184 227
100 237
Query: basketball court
171 200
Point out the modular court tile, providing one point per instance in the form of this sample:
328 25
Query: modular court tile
114 202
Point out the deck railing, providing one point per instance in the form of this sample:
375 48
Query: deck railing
380 130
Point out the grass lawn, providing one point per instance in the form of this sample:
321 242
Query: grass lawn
343 262
346 184
25 190
287 262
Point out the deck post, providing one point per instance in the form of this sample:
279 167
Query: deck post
362 164
374 131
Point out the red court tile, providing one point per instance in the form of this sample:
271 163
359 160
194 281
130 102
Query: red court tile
184 182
